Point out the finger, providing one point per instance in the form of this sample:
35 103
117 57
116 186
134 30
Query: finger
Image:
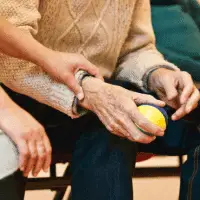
144 123
193 101
170 90
118 123
188 87
23 154
179 113
134 133
48 158
109 123
32 158
40 159
148 99
138 136
91 69
117 130
73 85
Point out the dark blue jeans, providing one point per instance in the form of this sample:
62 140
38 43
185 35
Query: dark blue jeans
103 164
181 138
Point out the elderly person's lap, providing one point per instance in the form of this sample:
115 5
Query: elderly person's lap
101 156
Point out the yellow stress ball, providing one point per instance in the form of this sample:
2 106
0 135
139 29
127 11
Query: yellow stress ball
154 114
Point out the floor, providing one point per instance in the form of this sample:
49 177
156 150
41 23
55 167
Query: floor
165 188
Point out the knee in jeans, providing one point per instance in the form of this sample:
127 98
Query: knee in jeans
8 156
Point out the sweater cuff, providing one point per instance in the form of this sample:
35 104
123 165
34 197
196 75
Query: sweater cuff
77 110
65 99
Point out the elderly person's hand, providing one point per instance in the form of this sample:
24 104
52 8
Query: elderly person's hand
116 107
177 89
28 135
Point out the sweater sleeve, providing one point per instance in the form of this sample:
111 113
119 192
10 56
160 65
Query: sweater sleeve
139 55
25 77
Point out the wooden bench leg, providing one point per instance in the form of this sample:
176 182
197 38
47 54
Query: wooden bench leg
59 195
70 196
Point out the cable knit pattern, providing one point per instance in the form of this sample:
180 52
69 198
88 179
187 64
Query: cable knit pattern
103 31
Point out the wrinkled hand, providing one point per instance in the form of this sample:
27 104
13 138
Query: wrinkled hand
116 107
177 89
28 135
63 67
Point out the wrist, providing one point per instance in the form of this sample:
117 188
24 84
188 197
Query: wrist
3 100
7 106
91 88
43 57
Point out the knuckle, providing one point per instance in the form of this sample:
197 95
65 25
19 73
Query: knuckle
34 155
65 76
30 133
137 137
110 128
145 140
141 123
42 155
24 153
132 114
185 73
120 121
49 150
27 134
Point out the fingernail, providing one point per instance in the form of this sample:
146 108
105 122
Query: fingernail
154 137
162 133
80 96
173 117
46 170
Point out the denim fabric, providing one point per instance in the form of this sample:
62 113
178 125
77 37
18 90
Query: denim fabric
103 164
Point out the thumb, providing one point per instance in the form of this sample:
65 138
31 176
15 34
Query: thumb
74 86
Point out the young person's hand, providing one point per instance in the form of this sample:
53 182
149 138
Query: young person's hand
59 65
28 135
63 67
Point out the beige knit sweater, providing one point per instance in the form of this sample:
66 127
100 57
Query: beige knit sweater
115 35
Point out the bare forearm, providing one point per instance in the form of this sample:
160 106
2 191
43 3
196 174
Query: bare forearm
18 44
5 102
